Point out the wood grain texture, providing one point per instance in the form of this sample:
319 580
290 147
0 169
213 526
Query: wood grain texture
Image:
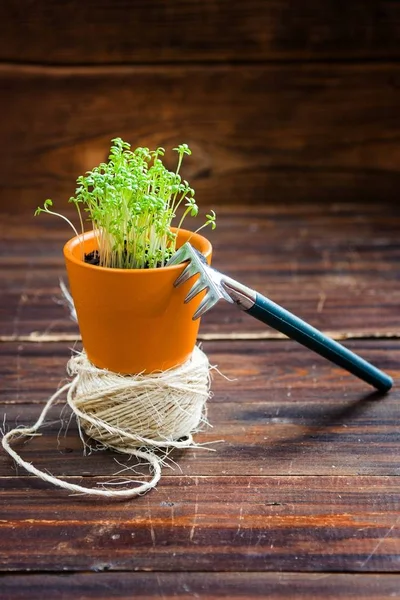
206 586
305 481
258 133
197 30
307 524
282 411
336 265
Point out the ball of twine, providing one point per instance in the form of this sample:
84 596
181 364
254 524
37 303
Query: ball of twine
159 410
137 415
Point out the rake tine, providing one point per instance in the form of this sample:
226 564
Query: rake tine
186 274
204 306
197 287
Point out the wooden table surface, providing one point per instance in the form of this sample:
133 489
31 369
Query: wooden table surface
302 497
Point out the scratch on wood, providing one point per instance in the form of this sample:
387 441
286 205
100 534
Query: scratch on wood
194 524
260 538
321 302
153 534
160 587
18 372
240 519
377 546
240 522
152 531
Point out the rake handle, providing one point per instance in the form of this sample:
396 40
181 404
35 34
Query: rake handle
277 317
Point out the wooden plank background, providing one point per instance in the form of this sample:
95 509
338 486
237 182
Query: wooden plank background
279 409
154 31
195 585
291 110
279 100
317 260
305 483
306 479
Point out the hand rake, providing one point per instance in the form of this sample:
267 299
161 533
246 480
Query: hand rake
219 286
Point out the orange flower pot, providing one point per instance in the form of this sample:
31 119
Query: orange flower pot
133 320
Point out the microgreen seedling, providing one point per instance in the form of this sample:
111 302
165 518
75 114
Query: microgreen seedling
131 201
46 209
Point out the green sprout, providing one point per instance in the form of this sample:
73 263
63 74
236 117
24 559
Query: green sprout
46 209
131 201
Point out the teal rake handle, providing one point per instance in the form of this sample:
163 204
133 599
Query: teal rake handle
277 317
219 286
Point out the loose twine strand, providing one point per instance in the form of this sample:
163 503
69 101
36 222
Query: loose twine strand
136 415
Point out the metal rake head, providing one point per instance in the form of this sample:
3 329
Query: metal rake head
209 279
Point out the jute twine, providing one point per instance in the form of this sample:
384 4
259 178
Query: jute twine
141 415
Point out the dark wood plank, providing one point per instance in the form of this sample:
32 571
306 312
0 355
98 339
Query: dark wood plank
306 479
258 133
319 261
208 524
199 30
283 411
206 586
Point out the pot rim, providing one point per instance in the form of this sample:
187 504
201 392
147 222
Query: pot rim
74 241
